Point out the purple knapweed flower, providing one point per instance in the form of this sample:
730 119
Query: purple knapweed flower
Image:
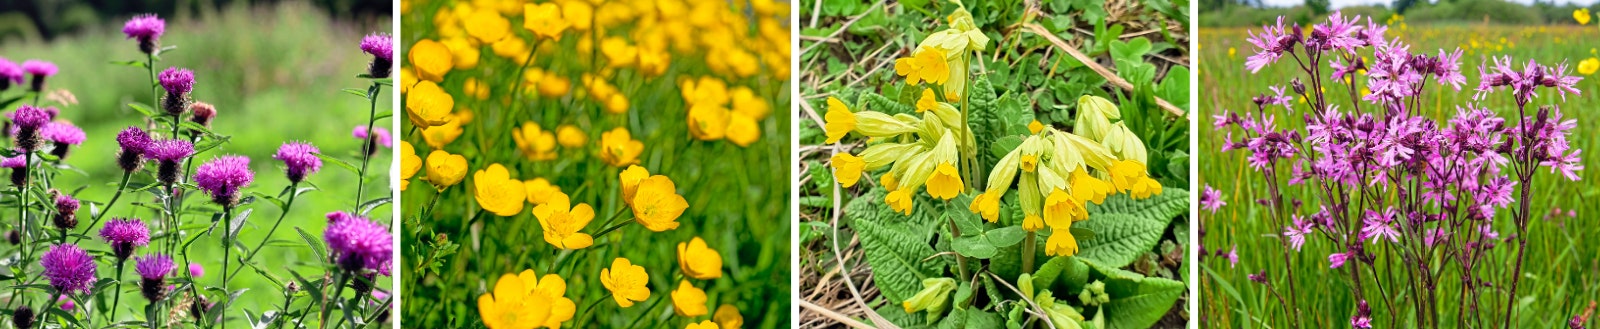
358 244
133 143
381 47
202 113
1211 199
65 217
123 234
195 270
10 74
66 303
223 177
19 169
39 70
29 120
69 268
146 28
62 136
22 317
379 135
168 154
299 160
153 270
178 82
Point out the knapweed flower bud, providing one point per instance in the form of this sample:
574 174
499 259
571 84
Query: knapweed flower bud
358 244
39 70
202 113
147 29
223 177
153 270
195 270
69 268
19 169
66 217
373 138
14 237
22 317
133 142
934 297
299 160
61 136
168 154
178 82
29 120
10 74
124 234
362 283
199 308
381 47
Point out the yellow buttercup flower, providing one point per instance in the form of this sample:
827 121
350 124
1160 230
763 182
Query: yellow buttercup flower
544 20
1582 16
654 62
617 147
727 316
445 169
431 60
708 122
899 201
627 282
847 168
707 91
927 101
698 260
427 105
570 136
497 192
535 142
927 64
619 53
512 48
657 205
562 222
840 121
746 102
945 183
513 304
688 301
630 181
617 104
1061 242
707 324
439 136
539 190
487 25
465 54
410 163
476 89
579 14
742 129
1589 66
987 204
407 78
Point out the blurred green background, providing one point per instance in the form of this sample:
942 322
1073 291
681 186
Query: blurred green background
274 72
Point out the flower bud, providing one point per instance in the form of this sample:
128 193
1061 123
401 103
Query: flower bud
934 297
202 113
1094 114
22 317
66 211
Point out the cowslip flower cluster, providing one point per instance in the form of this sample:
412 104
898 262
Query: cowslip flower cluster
1383 172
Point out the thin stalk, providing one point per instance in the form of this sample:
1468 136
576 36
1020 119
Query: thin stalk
293 191
635 322
96 221
368 146
322 313
1028 243
116 301
227 252
961 261
150 66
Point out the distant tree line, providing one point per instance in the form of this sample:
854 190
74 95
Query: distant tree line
48 19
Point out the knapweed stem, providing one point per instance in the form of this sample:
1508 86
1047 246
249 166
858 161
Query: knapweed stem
366 155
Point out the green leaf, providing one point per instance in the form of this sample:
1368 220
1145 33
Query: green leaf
132 63
898 254
1175 87
1131 51
355 91
1142 304
366 207
1119 238
1171 203
143 109
974 246
238 223
316 244
876 102
1006 236
340 163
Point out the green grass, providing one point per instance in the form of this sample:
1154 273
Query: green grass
274 74
1559 280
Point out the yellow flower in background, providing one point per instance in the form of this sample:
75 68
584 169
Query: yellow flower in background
987 204
746 102
1232 52
497 192
945 184
619 53
657 205
927 101
1589 66
1035 127
927 64
562 222
476 89
431 60
466 55
1061 242
688 301
1582 16
545 83
487 26
707 324
742 129
705 91
570 136
544 20
539 190
899 201
847 168
627 282
463 116
630 179
535 143
617 147
439 136
427 105
654 62
410 163
512 48
617 104
840 121
727 316
513 305
445 169
1130 176
708 122
698 260
578 13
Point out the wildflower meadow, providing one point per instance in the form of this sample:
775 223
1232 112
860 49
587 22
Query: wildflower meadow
967 167
168 194
586 164
1364 172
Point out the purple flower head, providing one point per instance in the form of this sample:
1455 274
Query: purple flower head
1337 260
223 177
379 45
1259 277
379 135
62 133
1270 45
177 81
358 243
10 73
169 150
66 303
1232 256
30 118
13 162
123 234
299 160
144 27
134 140
39 68
69 268
1380 225
1297 231
1337 34
1211 199
155 267
195 270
